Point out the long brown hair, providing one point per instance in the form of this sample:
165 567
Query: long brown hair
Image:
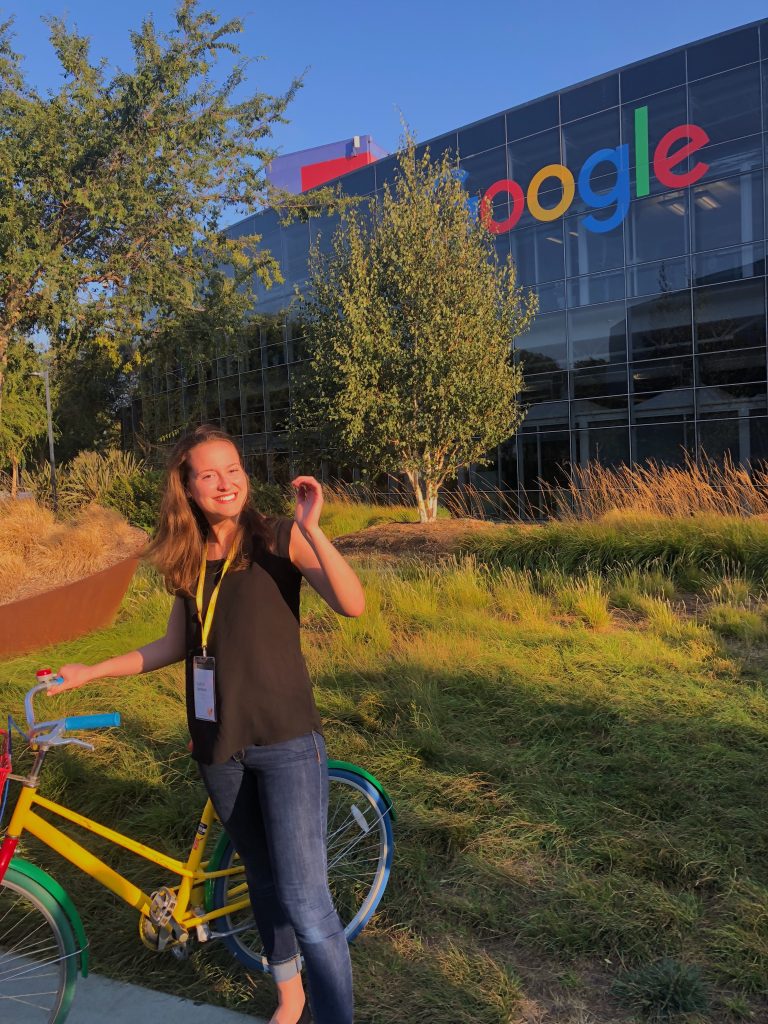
178 546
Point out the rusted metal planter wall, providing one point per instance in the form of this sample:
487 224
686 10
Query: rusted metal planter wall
65 612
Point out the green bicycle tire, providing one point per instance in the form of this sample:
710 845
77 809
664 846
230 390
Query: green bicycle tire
52 933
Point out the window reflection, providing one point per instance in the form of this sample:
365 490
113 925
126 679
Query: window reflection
730 369
589 252
662 276
538 252
543 347
655 374
666 443
738 262
728 212
545 456
657 227
597 334
527 156
594 381
582 138
583 291
662 406
739 400
730 315
661 326
727 106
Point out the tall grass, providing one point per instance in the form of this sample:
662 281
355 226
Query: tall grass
38 551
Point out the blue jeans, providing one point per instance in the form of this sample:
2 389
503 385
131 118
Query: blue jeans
273 802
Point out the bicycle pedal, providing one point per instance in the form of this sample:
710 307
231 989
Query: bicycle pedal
162 906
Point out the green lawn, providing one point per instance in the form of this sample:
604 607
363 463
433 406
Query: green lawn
580 770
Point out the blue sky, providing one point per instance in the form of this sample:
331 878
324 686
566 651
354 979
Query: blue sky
441 64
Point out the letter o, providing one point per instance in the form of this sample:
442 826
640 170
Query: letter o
498 227
569 190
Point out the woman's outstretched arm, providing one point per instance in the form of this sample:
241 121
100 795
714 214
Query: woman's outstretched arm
164 651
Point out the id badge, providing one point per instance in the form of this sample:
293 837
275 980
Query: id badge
204 686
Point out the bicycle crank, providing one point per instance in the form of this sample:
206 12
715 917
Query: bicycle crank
158 930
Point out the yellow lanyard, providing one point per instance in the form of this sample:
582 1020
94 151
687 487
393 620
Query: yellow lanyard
205 627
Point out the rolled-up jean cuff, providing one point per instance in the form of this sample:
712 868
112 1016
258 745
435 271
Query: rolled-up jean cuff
286 969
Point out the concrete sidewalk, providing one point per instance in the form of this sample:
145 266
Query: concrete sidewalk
100 999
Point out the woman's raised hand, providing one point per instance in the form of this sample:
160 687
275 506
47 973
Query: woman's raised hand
309 501
73 675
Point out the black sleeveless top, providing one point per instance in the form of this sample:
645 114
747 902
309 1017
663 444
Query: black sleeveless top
263 690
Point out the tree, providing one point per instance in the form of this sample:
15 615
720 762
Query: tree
23 418
112 189
410 320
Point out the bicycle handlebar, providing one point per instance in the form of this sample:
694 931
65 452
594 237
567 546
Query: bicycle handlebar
56 727
105 721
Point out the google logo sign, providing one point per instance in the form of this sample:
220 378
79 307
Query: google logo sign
674 148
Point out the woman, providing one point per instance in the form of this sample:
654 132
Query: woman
256 732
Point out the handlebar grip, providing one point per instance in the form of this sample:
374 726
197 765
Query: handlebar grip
105 721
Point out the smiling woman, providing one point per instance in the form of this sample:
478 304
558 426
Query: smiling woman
257 736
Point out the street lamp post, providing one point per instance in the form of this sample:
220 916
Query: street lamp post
44 375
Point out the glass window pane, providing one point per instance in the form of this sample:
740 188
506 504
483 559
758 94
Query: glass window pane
664 276
738 399
582 138
533 117
665 443
484 170
727 106
718 438
652 76
538 252
589 252
758 439
543 347
730 316
229 395
609 447
593 381
735 157
545 387
657 228
585 99
728 212
662 406
546 416
597 334
508 463
551 296
665 111
583 291
722 369
660 327
657 374
545 456
608 411
725 51
739 262
479 137
527 156
295 250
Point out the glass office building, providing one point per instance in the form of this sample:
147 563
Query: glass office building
634 204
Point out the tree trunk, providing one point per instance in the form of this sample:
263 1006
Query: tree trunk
14 476
426 499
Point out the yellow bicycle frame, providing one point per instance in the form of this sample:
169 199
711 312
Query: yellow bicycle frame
192 872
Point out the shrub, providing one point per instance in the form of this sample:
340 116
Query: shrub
662 990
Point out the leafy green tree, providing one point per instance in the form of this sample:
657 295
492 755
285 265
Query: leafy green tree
113 188
410 320
23 418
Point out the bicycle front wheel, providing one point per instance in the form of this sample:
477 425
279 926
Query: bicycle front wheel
359 846
38 954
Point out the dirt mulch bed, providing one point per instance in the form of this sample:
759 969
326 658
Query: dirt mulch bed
430 540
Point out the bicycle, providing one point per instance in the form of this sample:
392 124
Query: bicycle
43 944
